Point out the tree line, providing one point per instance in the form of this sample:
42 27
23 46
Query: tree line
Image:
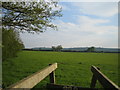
59 48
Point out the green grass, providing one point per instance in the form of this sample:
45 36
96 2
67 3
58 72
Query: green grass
73 67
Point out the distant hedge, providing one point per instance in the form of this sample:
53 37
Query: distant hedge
11 43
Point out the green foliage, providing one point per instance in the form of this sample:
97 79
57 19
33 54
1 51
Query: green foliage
73 67
57 48
11 43
91 49
30 16
0 45
25 16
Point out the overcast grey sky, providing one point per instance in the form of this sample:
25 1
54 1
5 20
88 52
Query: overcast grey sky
83 24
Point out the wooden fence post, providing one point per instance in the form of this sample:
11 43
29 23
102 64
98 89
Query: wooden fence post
94 80
32 80
52 76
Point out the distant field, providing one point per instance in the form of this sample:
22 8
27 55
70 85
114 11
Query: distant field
73 67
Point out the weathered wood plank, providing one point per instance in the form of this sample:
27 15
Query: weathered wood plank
52 76
32 80
94 80
105 82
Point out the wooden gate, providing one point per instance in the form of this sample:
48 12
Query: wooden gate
30 81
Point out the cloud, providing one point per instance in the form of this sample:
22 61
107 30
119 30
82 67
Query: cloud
87 25
88 32
102 9
94 25
88 20
91 26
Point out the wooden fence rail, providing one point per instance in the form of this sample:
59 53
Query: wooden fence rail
32 80
104 81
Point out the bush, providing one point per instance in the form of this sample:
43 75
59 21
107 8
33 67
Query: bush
11 43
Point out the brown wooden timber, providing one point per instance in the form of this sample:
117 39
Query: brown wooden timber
52 76
32 80
104 81
93 81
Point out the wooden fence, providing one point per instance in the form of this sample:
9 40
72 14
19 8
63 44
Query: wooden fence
30 81
104 81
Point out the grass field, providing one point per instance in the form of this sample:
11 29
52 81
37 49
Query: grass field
73 67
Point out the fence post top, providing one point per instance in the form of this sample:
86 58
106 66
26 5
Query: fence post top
95 67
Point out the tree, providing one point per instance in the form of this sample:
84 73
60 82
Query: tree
53 48
11 43
91 49
25 16
57 48
30 16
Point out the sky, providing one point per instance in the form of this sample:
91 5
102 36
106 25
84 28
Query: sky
83 24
